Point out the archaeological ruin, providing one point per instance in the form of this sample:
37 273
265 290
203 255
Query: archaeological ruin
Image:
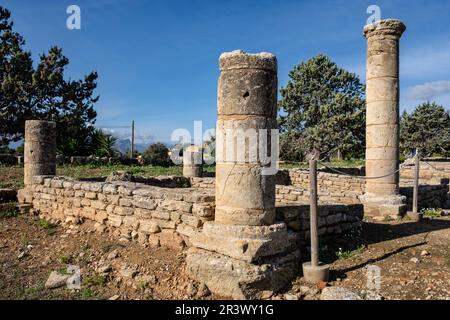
245 232
382 118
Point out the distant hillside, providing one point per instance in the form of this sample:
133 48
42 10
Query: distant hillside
124 145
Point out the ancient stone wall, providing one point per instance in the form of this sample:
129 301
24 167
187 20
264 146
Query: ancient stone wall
132 211
430 173
333 219
430 196
203 183
293 186
331 187
161 216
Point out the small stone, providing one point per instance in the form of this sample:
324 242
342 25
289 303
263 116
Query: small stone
371 295
266 294
22 255
147 280
203 291
414 260
191 289
56 280
128 272
104 268
321 285
338 293
424 253
304 290
114 297
313 291
113 254
120 176
290 297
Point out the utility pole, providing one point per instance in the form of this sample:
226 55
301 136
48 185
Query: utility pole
132 139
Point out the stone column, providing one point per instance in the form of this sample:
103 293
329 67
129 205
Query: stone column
244 253
40 149
382 124
193 161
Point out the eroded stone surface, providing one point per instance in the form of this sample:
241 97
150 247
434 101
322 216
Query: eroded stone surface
382 120
240 279
39 150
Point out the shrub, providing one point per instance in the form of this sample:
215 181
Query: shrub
157 155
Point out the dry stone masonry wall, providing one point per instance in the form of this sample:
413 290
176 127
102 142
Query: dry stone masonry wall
133 211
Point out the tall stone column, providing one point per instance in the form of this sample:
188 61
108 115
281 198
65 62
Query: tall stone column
193 161
382 124
40 149
244 252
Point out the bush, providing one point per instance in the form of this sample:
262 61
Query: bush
157 155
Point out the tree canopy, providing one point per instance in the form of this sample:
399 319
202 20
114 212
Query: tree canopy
426 128
42 93
157 154
322 110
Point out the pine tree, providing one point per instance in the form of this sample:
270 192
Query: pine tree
323 109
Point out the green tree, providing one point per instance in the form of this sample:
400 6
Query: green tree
426 128
16 68
43 93
322 109
291 147
103 144
157 154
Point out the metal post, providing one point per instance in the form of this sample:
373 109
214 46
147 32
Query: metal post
313 272
416 182
132 139
313 212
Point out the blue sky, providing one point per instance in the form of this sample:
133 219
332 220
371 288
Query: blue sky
158 60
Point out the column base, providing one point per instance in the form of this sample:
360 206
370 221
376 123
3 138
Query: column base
25 196
240 279
243 262
379 206
247 243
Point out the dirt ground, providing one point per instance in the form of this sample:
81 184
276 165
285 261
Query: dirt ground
414 259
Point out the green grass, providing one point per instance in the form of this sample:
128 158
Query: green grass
65 259
431 212
94 280
347 254
12 176
9 214
50 228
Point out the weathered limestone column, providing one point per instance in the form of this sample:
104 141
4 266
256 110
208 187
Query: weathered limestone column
382 124
244 253
40 149
193 161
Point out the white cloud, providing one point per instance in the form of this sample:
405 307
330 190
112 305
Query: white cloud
429 90
429 60
139 137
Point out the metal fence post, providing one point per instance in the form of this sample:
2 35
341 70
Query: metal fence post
313 272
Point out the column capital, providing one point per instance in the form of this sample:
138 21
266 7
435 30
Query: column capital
391 27
239 59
